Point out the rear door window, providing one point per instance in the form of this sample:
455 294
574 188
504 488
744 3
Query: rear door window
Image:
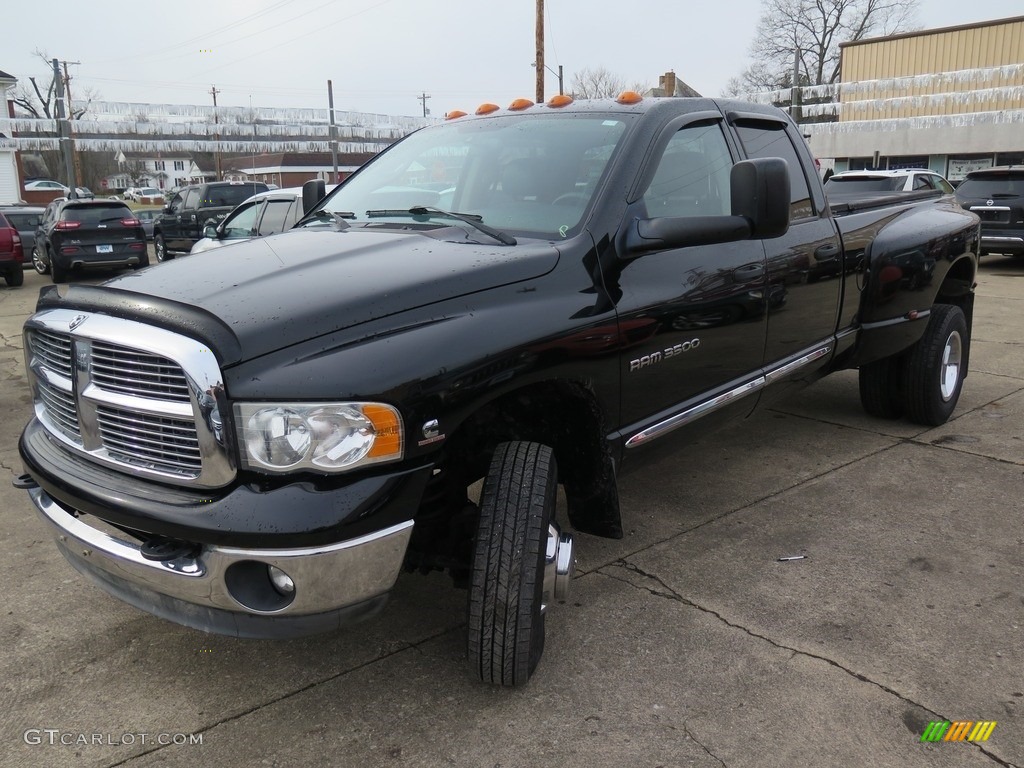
769 139
275 214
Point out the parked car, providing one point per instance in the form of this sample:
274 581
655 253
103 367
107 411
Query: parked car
184 220
144 195
266 213
26 219
859 183
47 185
84 193
88 234
997 196
12 254
148 217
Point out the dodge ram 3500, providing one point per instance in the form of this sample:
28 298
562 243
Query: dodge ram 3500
257 441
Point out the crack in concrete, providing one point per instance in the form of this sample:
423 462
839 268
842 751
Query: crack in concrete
695 740
289 694
671 594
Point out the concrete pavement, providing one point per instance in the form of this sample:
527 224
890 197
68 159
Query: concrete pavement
686 643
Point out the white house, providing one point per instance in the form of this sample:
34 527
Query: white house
160 171
10 188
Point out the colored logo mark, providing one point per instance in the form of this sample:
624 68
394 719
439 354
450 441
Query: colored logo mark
958 730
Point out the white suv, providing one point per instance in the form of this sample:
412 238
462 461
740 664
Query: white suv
903 180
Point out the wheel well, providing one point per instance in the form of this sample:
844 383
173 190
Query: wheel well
566 416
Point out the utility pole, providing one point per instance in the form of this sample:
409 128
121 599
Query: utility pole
423 97
796 96
334 135
64 130
216 133
540 51
75 159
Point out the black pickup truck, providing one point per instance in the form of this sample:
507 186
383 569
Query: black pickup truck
182 222
258 441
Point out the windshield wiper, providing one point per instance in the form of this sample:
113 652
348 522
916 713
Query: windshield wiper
426 210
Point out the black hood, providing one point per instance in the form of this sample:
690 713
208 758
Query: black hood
277 291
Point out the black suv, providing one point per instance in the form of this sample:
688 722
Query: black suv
182 222
997 196
88 234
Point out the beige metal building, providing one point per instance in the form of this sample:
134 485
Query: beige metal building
948 99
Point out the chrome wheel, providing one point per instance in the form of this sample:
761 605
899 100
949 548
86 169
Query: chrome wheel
952 354
40 266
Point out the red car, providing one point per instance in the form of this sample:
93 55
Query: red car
12 255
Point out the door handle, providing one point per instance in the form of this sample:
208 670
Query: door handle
826 253
749 272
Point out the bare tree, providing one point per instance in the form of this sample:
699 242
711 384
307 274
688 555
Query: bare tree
810 31
599 83
40 101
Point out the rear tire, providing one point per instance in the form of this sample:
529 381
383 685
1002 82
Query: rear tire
37 261
881 387
15 277
935 367
160 248
506 623
57 273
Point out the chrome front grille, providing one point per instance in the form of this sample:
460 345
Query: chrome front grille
53 350
117 369
168 445
61 408
128 395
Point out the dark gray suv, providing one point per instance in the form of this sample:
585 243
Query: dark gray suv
997 196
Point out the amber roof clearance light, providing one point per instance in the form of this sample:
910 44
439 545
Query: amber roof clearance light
520 104
486 109
629 97
455 113
561 100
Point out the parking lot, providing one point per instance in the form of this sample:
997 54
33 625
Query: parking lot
686 643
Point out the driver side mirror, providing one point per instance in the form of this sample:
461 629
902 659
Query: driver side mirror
759 192
210 232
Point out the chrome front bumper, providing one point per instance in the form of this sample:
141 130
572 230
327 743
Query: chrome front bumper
228 590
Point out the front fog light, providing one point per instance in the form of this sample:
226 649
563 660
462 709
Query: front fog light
282 581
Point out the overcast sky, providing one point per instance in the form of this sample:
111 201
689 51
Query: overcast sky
383 54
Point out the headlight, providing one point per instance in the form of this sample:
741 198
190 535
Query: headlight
322 437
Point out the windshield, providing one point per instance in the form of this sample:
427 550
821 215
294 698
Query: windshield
864 184
525 174
992 186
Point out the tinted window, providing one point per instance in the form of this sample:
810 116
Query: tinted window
274 216
191 199
96 214
24 221
230 195
863 184
769 139
992 186
692 178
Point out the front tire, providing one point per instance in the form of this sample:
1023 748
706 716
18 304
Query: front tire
506 622
160 248
935 367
